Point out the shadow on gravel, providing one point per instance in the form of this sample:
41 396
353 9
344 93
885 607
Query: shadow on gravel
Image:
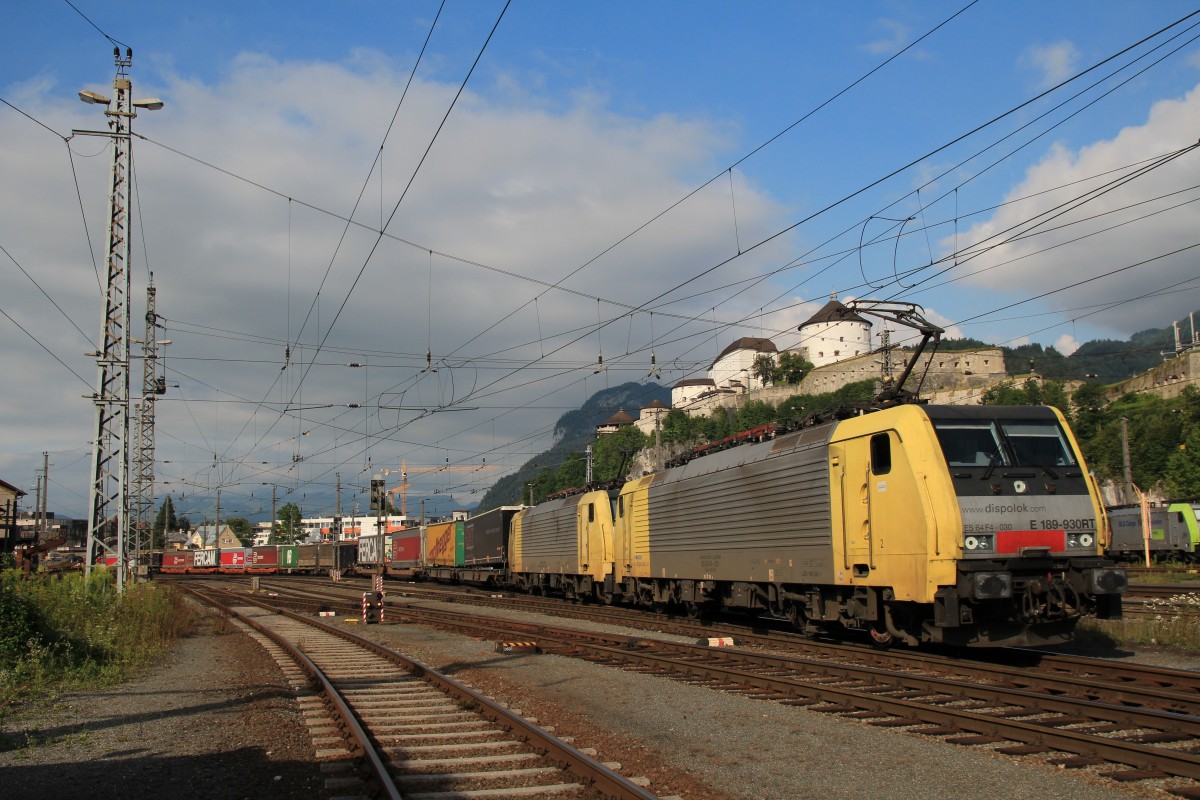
18 740
247 772
1092 644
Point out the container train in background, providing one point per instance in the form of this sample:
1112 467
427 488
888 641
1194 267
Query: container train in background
1174 533
310 559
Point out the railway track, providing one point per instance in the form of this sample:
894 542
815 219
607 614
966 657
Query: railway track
1127 683
1128 723
413 732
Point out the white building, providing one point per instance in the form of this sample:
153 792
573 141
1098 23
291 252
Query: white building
652 417
734 367
834 333
687 391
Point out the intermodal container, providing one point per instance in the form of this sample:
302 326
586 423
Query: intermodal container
289 556
406 548
487 536
176 562
370 550
444 545
309 556
264 558
233 560
204 559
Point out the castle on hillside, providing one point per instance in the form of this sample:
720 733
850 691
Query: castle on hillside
837 342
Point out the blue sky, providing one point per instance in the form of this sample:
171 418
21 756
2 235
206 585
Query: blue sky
581 124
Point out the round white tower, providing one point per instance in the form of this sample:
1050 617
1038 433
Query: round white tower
834 333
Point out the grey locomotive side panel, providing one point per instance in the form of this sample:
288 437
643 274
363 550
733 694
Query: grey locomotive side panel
549 539
753 513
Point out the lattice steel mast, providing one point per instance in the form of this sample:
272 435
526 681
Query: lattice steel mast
153 385
108 512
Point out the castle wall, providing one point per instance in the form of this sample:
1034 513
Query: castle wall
958 377
1167 380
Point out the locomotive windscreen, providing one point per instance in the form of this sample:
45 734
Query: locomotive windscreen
1003 443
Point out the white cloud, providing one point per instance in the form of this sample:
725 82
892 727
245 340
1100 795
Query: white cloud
1056 62
532 194
1066 344
895 37
1126 231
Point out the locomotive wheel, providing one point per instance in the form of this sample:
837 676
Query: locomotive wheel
692 609
881 638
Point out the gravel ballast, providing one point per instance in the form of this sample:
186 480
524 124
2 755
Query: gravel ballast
216 719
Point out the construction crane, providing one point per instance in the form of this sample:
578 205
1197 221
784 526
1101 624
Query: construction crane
405 469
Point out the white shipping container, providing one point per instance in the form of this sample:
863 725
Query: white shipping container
369 550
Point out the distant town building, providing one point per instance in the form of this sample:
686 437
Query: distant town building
652 416
689 390
208 536
9 495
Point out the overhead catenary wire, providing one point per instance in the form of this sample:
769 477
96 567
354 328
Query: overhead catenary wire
541 336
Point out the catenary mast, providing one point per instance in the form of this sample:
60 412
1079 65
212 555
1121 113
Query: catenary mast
108 511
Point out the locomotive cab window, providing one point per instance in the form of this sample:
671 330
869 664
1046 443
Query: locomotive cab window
881 454
970 443
591 512
1038 443
1004 443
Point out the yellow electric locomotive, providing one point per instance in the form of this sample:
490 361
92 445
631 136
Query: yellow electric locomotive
967 525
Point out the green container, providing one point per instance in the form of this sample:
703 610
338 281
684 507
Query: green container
289 556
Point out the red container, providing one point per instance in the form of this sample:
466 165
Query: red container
176 562
263 559
406 548
233 560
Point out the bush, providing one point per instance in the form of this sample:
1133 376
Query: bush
65 631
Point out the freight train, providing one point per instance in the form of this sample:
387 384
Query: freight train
969 526
1173 534
962 525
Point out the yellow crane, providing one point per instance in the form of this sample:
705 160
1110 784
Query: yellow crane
405 469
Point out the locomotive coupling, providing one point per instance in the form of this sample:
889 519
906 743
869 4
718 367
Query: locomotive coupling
991 585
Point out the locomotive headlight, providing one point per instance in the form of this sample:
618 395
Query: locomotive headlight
980 542
1080 540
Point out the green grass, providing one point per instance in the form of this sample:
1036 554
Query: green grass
1172 623
62 632
1171 572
